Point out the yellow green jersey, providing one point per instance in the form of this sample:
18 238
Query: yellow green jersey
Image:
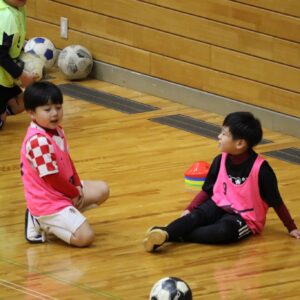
12 23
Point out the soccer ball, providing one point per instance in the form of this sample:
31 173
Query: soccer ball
33 64
75 61
44 48
171 288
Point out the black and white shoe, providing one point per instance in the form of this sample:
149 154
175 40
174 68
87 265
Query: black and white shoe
33 232
155 237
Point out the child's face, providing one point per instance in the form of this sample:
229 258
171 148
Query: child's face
16 3
228 144
48 116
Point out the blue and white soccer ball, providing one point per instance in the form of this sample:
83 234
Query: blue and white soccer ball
171 288
43 48
75 62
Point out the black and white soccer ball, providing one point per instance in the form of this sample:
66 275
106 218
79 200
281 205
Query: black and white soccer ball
170 288
75 62
43 48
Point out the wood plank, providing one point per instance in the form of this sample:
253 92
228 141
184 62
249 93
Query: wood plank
169 45
85 4
248 17
289 7
259 70
130 34
226 85
31 8
200 29
175 22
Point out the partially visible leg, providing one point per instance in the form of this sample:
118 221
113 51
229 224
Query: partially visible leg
206 213
3 103
83 236
228 229
11 102
70 226
95 193
16 104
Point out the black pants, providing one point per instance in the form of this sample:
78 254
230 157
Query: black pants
6 94
208 224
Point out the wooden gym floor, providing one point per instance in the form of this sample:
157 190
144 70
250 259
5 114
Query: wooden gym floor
143 162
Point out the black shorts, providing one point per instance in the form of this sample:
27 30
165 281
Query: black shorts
6 93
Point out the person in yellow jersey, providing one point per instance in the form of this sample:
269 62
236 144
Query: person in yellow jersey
12 76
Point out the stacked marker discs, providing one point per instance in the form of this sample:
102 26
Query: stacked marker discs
196 174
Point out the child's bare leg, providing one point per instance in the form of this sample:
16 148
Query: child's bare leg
83 236
94 193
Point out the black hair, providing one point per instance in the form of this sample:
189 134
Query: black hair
243 125
42 93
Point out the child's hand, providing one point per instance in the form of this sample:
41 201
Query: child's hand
186 212
295 233
78 201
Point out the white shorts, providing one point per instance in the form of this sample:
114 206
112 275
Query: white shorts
68 219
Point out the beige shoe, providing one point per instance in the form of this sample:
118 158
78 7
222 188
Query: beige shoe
155 237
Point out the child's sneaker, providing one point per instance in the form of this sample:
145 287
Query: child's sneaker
33 232
155 237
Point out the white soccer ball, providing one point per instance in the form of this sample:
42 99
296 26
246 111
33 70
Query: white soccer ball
44 48
75 62
33 64
171 288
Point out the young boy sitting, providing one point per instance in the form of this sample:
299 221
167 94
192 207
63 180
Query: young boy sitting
239 189
55 195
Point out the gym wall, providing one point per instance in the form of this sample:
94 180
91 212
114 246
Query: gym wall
246 50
